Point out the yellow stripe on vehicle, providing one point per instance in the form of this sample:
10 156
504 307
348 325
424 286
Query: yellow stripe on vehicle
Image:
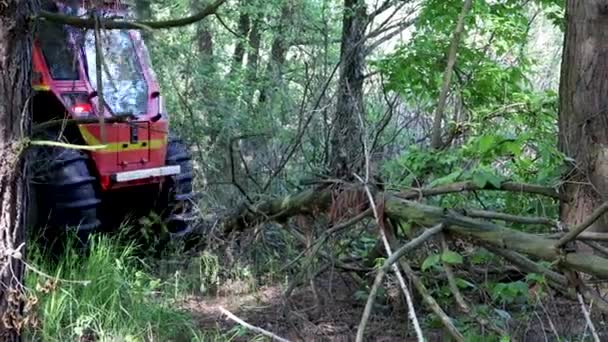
41 87
120 146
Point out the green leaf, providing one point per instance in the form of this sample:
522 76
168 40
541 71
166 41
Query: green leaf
486 143
452 258
430 261
451 178
479 180
482 178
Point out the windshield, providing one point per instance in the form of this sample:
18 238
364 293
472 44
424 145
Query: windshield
124 87
57 51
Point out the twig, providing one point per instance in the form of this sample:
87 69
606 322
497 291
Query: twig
382 272
371 298
574 232
258 330
588 318
415 243
387 247
431 302
464 307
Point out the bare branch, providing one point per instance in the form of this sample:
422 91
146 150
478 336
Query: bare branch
510 218
251 327
574 232
470 186
130 25
587 315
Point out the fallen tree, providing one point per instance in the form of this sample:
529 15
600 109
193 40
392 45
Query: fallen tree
528 252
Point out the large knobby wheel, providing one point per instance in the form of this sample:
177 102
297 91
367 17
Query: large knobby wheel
66 193
179 189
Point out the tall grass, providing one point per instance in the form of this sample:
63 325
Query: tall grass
121 302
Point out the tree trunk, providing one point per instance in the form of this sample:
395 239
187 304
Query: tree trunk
252 61
143 11
239 50
346 146
15 118
204 36
278 51
583 117
436 140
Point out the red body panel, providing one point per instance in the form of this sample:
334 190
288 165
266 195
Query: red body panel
140 143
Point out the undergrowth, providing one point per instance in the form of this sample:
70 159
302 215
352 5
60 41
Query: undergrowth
117 291
105 295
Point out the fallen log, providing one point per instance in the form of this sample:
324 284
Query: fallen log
495 235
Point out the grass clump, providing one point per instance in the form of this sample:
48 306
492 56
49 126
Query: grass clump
118 302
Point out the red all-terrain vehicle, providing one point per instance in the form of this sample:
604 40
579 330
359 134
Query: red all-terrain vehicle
142 168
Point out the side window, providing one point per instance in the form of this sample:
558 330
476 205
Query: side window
57 51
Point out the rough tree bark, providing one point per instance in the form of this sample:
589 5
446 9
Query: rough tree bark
346 147
583 117
15 87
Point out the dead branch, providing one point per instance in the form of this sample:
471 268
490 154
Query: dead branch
587 316
491 215
410 246
464 307
371 299
495 235
596 246
387 247
530 266
470 186
258 330
423 291
574 232
130 25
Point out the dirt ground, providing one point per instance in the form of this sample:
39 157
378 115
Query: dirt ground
299 319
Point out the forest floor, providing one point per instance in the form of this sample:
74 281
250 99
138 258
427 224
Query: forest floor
299 318
337 318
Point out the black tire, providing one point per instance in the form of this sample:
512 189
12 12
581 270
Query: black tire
179 189
66 193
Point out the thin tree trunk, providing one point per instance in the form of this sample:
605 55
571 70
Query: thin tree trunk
278 51
252 60
583 117
204 36
346 147
15 118
143 10
239 50
436 141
